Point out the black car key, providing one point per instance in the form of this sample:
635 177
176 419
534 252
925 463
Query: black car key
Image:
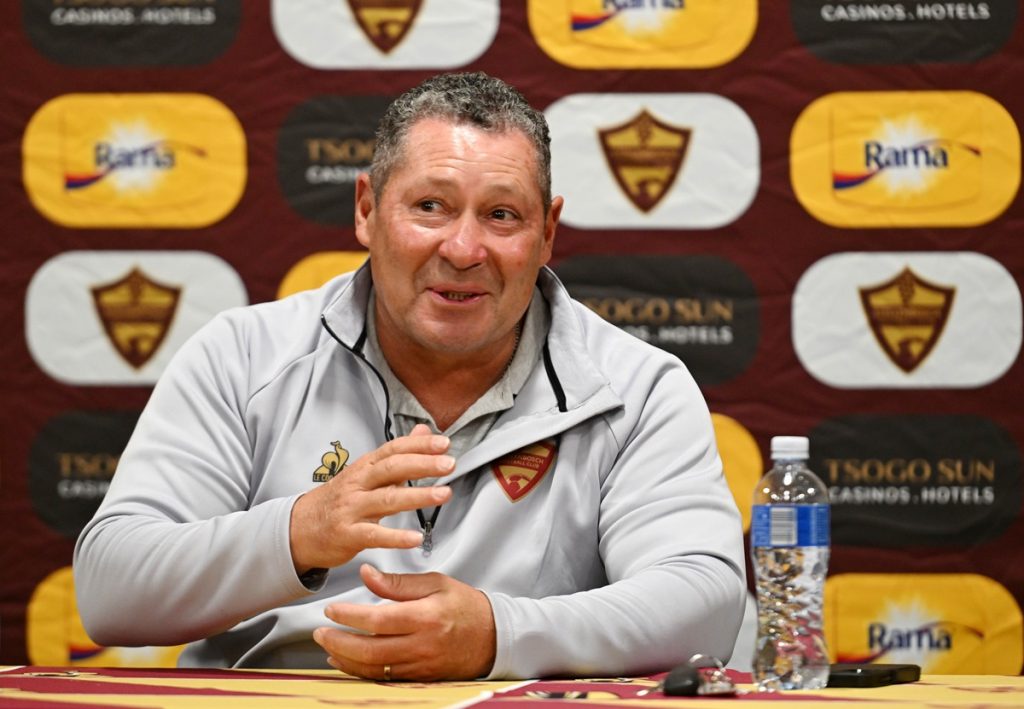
699 676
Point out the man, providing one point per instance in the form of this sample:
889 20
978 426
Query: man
572 519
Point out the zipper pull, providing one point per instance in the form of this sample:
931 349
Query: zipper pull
428 538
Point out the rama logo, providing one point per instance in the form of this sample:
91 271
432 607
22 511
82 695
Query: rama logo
132 157
906 157
634 15
912 635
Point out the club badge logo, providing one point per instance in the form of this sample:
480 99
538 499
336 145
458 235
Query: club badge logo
645 156
385 22
331 463
520 471
136 313
907 316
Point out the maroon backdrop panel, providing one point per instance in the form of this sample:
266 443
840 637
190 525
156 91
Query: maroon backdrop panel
814 205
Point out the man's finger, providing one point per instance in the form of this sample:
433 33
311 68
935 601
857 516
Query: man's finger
400 587
420 429
371 651
424 444
379 619
388 500
374 536
396 469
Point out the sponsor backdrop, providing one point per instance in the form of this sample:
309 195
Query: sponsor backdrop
815 205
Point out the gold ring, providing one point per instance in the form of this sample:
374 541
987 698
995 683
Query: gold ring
387 673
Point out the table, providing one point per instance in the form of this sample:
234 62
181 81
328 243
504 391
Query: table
161 688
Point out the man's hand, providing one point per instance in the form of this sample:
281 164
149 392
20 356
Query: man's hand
337 520
439 628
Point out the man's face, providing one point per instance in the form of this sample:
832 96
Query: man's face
457 238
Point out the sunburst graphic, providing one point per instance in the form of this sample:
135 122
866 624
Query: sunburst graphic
912 633
906 157
137 138
913 617
645 19
132 158
907 178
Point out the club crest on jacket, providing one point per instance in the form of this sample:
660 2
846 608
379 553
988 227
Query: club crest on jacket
520 471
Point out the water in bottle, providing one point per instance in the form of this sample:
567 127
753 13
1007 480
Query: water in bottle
789 549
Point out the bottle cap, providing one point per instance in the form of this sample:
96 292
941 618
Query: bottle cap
790 447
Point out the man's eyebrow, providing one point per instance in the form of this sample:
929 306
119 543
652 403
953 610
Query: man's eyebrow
495 185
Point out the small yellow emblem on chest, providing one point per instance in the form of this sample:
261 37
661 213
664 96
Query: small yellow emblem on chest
331 463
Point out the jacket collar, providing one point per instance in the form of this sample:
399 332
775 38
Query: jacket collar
565 388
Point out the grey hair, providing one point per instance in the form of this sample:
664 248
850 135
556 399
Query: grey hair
466 98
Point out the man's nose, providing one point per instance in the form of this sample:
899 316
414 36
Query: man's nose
463 245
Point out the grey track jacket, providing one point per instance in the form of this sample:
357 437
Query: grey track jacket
625 556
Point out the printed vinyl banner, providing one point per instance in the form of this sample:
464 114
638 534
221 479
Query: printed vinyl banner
117 160
907 320
653 161
815 206
122 314
944 623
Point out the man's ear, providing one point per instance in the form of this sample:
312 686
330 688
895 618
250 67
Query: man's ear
365 206
550 226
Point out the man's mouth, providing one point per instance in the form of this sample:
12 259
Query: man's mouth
456 296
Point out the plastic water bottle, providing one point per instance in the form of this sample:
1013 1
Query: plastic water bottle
789 548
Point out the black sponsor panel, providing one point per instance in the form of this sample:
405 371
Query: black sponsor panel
903 32
136 33
917 480
703 309
71 463
323 145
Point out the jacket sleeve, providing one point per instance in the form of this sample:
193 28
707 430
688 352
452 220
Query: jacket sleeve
176 552
671 541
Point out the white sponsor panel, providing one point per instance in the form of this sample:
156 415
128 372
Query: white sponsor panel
907 320
117 317
325 34
716 180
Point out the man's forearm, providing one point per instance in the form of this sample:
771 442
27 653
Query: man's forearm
646 623
187 580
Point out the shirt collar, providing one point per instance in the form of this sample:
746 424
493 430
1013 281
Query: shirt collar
498 398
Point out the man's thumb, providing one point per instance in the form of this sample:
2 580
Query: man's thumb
398 587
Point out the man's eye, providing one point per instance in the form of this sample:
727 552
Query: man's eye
503 214
429 205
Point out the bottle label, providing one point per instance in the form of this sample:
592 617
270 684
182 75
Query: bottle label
790 526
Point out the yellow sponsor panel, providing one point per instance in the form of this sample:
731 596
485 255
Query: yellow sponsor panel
316 269
134 160
946 623
908 158
55 636
669 34
741 461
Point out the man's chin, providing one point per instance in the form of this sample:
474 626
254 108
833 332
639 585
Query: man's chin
454 341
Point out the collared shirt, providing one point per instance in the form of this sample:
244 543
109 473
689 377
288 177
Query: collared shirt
474 423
